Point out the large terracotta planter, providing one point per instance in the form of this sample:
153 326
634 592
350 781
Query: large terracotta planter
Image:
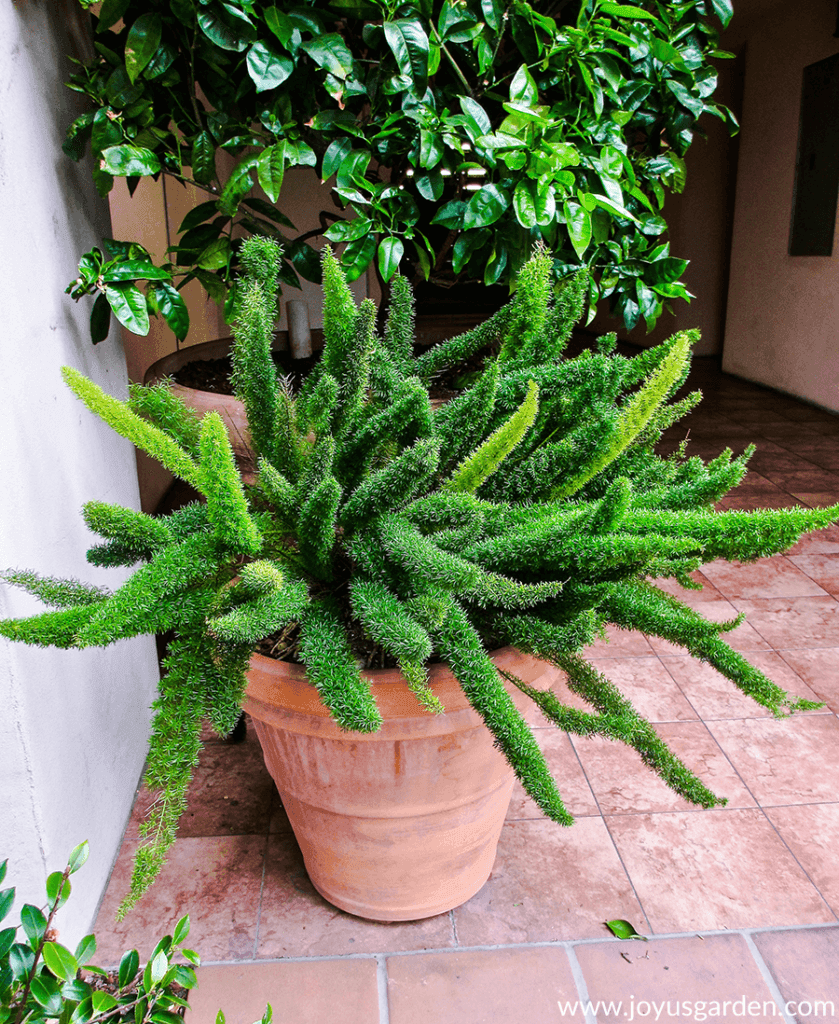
396 825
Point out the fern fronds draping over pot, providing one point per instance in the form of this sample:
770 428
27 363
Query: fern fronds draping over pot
531 510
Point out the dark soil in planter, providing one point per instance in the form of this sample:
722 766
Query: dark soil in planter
213 375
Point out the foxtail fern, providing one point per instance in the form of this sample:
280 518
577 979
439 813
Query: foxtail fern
532 510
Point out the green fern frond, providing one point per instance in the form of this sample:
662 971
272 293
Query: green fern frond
128 424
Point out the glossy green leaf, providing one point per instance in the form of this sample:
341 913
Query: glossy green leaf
628 11
76 990
267 68
624 930
122 161
7 939
58 888
524 204
162 59
476 112
215 256
129 307
391 251
158 968
578 220
330 52
485 207
348 230
60 961
306 261
141 45
100 319
134 270
270 170
409 45
103 1001
110 12
238 185
692 103
227 33
204 158
181 930
34 923
21 960
616 208
198 215
523 88
267 210
431 185
47 993
545 203
172 308
85 949
451 215
7 898
431 148
128 967
358 255
335 154
723 10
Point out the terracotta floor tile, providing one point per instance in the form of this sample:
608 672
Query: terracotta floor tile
817 499
230 794
623 784
804 480
305 993
803 963
822 569
793 622
575 791
549 883
820 668
295 920
714 696
712 870
788 761
620 643
517 986
819 542
826 459
812 833
649 686
744 638
691 597
214 880
675 977
770 577
755 502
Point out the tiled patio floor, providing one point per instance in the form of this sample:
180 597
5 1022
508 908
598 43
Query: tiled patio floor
742 902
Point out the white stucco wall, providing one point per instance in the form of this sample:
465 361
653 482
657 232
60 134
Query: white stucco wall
782 326
74 724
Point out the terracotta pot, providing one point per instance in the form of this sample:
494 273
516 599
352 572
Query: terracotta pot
396 825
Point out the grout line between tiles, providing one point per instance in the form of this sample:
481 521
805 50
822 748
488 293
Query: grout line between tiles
381 984
454 926
567 944
261 888
609 833
771 984
582 987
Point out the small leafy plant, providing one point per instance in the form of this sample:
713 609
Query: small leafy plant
459 134
42 980
531 510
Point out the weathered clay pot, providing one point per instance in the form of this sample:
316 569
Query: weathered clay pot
395 825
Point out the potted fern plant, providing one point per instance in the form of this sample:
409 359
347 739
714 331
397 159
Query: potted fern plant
519 517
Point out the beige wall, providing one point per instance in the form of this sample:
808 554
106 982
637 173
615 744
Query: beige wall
782 325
